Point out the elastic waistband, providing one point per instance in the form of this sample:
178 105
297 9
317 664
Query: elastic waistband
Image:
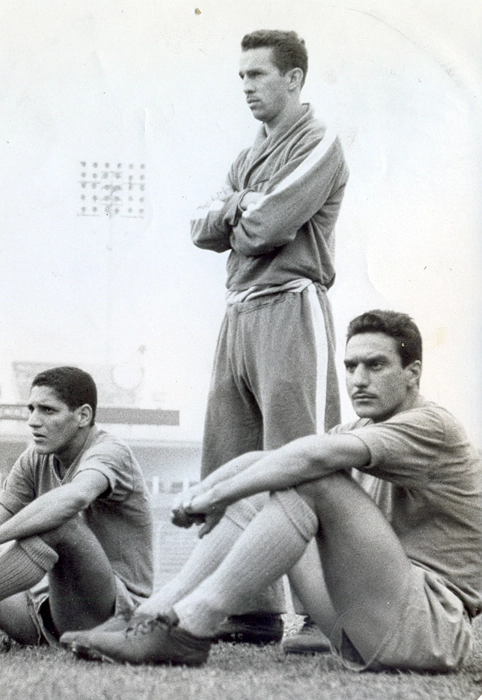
297 286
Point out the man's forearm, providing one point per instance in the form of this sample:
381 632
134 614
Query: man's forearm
210 226
41 515
277 216
277 470
303 460
225 472
232 468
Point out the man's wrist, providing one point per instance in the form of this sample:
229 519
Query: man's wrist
218 495
241 206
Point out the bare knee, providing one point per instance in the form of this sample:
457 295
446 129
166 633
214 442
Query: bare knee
326 487
66 534
326 496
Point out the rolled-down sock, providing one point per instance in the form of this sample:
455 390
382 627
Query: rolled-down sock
268 548
23 564
205 558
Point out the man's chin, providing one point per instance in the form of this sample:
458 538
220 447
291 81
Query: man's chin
42 448
367 412
257 114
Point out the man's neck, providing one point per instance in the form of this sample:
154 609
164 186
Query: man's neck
67 456
414 400
287 118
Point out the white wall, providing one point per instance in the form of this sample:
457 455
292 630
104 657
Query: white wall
154 83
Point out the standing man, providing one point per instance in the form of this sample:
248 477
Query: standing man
75 513
274 375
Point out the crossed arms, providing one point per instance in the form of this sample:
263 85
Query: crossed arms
255 225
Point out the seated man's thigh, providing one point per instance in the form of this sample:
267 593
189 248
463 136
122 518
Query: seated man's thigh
432 633
82 589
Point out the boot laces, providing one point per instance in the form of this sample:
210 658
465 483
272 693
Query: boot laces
146 624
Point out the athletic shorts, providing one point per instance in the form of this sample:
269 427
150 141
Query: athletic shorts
433 632
39 608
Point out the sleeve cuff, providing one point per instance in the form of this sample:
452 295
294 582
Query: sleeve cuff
233 208
11 502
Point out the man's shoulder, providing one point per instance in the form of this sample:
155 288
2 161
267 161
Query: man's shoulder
350 425
312 123
30 458
427 423
308 129
32 469
426 413
112 456
103 443
430 414
312 126
311 135
453 430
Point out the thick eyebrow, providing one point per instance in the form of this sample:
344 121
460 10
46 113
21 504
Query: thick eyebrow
366 360
250 71
377 358
42 406
349 362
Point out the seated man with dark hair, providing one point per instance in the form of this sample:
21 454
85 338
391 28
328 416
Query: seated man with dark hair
75 513
394 589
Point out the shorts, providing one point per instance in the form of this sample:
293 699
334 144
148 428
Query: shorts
39 608
433 632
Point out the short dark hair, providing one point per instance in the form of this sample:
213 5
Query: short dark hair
289 50
72 385
398 326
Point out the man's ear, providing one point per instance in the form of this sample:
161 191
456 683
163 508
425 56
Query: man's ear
414 372
295 76
84 413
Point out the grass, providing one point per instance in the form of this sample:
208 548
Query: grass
233 672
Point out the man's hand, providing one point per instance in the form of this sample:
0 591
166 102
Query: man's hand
184 515
206 505
182 518
249 199
202 503
179 516
194 507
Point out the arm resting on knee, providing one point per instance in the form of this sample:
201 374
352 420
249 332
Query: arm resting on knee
54 508
305 459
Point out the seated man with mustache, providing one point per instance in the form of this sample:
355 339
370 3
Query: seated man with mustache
394 589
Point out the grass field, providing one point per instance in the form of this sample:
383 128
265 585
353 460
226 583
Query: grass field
233 672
